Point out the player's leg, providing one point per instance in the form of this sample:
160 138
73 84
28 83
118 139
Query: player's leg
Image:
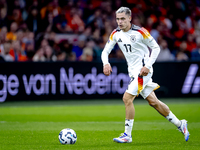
130 113
129 96
164 110
128 102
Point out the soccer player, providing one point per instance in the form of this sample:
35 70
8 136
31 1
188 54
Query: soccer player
134 42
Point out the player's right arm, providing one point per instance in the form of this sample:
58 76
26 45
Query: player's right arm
106 51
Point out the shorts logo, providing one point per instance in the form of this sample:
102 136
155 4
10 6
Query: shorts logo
133 39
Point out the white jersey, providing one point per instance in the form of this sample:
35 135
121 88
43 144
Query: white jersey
134 45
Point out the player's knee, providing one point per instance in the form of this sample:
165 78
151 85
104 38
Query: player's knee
152 100
127 101
153 103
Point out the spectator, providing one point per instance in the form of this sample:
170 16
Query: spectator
66 51
74 21
181 52
12 34
20 35
190 19
87 54
3 17
17 53
28 37
3 34
86 35
33 20
156 30
165 54
16 16
47 23
96 36
95 20
33 4
52 7
108 30
149 24
44 43
51 38
7 56
60 23
181 29
191 44
30 51
78 48
195 54
39 55
137 21
49 54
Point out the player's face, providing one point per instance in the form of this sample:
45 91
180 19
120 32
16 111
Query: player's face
123 21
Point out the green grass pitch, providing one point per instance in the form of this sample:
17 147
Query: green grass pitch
36 125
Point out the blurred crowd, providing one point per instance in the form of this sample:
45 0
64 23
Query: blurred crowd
29 29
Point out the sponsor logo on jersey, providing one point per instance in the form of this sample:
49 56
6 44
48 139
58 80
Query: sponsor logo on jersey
120 40
133 39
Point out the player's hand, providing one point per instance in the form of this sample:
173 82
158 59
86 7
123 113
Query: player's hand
144 71
107 69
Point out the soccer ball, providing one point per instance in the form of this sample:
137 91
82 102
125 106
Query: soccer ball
67 136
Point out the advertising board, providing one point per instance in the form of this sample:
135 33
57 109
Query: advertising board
83 80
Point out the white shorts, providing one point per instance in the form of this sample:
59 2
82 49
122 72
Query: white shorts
142 85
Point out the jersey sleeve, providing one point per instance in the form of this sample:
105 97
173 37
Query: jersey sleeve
151 43
108 48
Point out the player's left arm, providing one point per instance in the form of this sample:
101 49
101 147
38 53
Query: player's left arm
151 43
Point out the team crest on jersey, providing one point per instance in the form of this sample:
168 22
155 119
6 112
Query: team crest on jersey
133 39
